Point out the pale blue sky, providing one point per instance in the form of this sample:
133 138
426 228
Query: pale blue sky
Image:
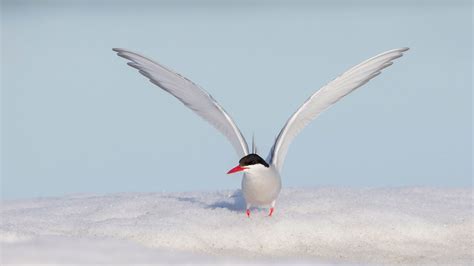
76 119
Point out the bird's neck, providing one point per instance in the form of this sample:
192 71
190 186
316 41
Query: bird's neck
261 171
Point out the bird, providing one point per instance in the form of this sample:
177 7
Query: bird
261 181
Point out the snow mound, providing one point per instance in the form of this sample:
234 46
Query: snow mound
337 225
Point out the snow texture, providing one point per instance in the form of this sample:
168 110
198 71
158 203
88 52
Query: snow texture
326 225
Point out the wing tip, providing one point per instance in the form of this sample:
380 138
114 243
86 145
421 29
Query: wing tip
118 50
124 53
121 52
402 50
398 51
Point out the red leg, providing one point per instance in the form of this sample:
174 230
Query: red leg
248 213
271 211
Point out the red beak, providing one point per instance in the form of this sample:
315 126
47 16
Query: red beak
236 169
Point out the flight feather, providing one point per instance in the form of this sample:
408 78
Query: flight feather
327 96
190 94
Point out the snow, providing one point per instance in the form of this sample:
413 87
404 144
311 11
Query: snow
326 225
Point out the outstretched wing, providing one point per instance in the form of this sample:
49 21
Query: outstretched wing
190 94
327 96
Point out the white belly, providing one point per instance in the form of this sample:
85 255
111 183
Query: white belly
261 186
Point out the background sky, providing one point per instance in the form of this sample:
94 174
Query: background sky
76 119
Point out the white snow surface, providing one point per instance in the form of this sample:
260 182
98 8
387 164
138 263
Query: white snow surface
325 225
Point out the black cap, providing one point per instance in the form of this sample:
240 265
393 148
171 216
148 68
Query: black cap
252 159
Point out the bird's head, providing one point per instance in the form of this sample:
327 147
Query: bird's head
248 163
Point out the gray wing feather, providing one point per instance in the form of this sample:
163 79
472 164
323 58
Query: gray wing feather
325 97
190 94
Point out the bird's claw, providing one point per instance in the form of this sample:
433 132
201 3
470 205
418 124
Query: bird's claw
271 212
248 212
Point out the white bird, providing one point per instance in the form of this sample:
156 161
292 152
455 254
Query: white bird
261 182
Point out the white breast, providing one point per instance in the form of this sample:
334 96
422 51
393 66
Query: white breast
261 185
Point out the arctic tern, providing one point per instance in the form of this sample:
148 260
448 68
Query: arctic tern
261 182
